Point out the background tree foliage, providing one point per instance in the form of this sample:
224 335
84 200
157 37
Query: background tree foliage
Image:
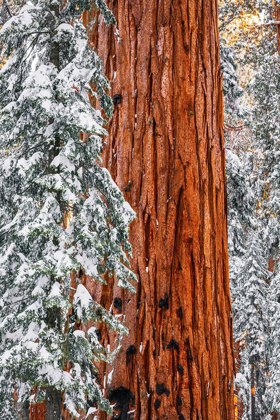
250 31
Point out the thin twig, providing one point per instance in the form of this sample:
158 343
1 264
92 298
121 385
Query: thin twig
270 23
230 128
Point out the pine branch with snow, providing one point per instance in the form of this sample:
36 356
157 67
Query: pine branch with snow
60 210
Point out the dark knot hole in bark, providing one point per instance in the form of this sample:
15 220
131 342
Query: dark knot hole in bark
164 303
117 99
174 345
131 350
160 389
118 304
123 398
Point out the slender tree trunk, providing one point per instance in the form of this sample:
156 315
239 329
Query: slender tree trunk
277 18
166 152
274 416
24 410
53 396
37 411
253 398
53 404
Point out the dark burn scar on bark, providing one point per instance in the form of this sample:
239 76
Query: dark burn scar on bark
180 369
123 398
179 400
118 304
164 303
98 334
157 403
160 389
117 99
129 352
180 312
173 345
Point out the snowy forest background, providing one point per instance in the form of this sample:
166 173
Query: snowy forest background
250 64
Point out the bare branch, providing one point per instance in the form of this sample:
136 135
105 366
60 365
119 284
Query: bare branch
270 23
230 128
6 13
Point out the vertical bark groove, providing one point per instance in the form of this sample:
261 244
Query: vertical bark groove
166 142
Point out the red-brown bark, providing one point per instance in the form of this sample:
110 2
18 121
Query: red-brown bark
277 18
37 411
166 152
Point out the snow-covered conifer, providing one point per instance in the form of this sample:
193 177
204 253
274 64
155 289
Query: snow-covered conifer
251 322
255 46
265 124
61 212
231 86
273 390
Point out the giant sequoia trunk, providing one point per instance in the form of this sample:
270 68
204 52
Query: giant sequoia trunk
166 152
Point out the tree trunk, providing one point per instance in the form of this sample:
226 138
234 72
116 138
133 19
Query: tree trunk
53 396
166 152
253 398
53 404
37 411
277 19
274 416
24 410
